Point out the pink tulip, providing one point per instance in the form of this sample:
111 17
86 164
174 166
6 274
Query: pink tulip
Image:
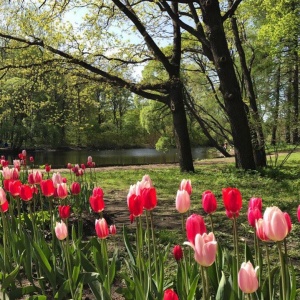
2 196
298 213
275 224
247 278
288 221
57 179
62 190
61 230
205 248
186 185
101 228
183 201
194 225
209 202
260 232
112 229
146 179
6 173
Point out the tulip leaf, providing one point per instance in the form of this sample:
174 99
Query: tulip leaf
10 278
17 293
63 291
37 297
128 246
292 281
248 254
193 287
224 289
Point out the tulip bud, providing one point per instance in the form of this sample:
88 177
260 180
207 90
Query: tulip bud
194 224
186 185
170 295
298 213
75 188
232 200
177 252
101 228
64 211
112 229
183 201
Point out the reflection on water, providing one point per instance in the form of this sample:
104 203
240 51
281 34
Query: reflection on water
120 157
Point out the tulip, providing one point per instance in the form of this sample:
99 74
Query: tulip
17 163
149 198
177 252
260 232
26 192
47 188
15 174
186 185
194 225
275 224
205 248
75 188
232 200
69 166
35 177
64 211
57 179
6 184
112 229
288 221
2 196
97 203
183 201
255 203
31 159
209 202
61 230
62 191
14 187
97 191
170 295
247 278
4 206
253 215
47 168
101 228
298 213
135 205
146 178
6 173
24 153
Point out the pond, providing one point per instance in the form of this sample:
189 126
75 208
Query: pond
120 157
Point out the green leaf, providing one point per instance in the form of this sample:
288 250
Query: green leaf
193 288
224 290
128 246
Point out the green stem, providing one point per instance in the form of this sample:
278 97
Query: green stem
282 271
4 249
216 262
204 293
269 272
148 241
105 257
154 246
236 253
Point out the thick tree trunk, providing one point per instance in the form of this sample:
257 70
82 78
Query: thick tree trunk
276 108
229 86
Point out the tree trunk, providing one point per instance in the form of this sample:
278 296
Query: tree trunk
258 140
295 83
229 86
276 108
181 127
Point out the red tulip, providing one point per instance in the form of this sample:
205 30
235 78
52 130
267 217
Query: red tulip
149 198
14 187
170 295
69 166
209 202
47 168
97 203
75 188
101 228
177 252
26 192
4 206
253 215
6 184
64 211
47 188
194 225
255 203
288 221
97 191
232 200
135 205
231 215
62 191
31 159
